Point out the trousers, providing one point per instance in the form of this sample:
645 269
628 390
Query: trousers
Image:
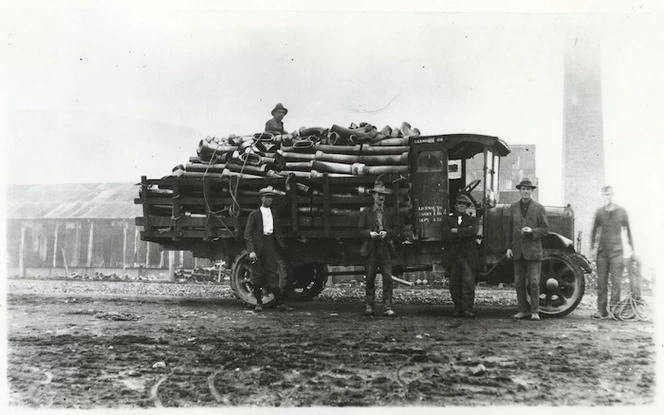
265 273
613 264
462 285
526 280
379 258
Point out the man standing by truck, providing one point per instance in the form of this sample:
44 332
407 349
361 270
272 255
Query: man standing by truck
527 225
275 125
460 256
266 246
380 226
610 220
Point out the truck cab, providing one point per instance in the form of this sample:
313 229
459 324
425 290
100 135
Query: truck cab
442 167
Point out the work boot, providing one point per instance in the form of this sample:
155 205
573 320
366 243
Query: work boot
284 307
521 316
467 314
369 311
389 313
258 308
535 317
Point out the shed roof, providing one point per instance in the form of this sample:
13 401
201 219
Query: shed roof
73 201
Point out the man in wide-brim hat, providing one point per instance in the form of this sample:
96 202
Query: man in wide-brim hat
526 183
380 226
527 226
275 125
266 246
460 255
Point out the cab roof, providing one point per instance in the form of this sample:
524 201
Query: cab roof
465 146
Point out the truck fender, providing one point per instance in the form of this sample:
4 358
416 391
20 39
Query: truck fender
556 241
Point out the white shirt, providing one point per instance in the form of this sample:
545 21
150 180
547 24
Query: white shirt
268 224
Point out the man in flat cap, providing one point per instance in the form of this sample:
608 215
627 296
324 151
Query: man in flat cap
527 225
460 255
380 226
608 225
266 247
275 125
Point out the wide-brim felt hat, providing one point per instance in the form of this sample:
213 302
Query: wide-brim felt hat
267 191
526 183
380 188
464 199
279 107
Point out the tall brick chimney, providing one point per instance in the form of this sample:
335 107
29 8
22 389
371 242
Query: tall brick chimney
583 147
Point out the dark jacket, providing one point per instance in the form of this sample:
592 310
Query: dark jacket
461 244
274 126
253 232
368 224
609 226
526 247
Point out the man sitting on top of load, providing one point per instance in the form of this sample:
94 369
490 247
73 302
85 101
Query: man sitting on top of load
275 125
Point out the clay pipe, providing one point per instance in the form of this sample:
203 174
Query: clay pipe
205 167
302 148
371 170
403 141
299 165
331 167
206 150
373 160
363 149
291 156
255 170
228 173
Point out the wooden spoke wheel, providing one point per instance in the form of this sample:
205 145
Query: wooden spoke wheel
241 281
562 283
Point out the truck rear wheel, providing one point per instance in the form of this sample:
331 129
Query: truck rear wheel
241 281
562 283
308 281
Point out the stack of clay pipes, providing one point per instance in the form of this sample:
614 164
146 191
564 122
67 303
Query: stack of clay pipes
359 150
298 158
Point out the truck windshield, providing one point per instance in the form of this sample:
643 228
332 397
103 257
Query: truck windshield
483 166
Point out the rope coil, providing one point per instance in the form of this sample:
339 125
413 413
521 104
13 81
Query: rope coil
632 308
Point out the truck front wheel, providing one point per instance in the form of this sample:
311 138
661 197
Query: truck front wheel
241 281
562 283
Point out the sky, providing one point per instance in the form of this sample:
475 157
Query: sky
220 72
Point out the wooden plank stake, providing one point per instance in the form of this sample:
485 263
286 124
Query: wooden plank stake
64 259
55 246
147 255
21 252
171 265
137 240
90 243
124 246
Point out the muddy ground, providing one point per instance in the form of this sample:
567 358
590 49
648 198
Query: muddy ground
140 345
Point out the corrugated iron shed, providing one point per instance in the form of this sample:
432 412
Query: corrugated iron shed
73 201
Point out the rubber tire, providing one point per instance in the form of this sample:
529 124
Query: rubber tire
309 280
562 267
241 282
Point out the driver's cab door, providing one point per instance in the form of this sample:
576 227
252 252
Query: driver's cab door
444 166
430 188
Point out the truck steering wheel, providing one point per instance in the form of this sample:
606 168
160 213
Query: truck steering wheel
469 188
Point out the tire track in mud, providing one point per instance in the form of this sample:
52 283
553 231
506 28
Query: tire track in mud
211 379
154 391
312 359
